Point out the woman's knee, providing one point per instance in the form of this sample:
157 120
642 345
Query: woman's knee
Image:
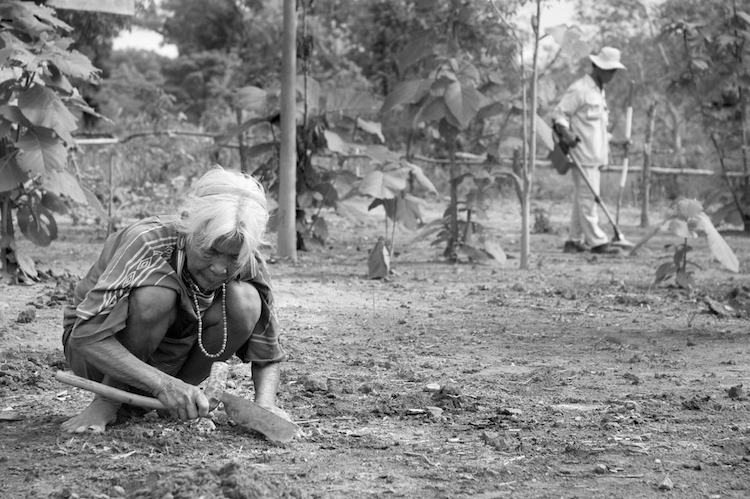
152 305
243 303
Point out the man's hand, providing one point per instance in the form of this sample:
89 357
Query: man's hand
621 142
568 140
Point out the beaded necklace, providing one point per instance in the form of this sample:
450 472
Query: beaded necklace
195 293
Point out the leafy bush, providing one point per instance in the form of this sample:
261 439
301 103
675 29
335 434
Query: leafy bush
37 68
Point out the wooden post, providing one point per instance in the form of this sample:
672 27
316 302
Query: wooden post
122 7
646 175
287 234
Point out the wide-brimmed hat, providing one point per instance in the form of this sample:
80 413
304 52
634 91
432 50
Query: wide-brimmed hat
607 58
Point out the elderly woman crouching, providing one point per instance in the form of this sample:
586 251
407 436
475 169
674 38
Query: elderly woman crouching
169 296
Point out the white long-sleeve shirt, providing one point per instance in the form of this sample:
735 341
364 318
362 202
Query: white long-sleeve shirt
583 109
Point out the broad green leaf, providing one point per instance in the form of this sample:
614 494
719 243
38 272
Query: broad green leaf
433 109
41 151
664 271
422 45
52 202
744 16
305 200
438 87
11 175
557 32
5 54
371 127
382 185
22 18
5 127
406 92
335 143
74 64
64 184
14 115
260 149
491 110
26 265
688 208
43 108
574 43
718 246
468 73
378 261
37 224
58 80
463 102
94 203
250 98
493 248
351 102
47 15
420 177
381 154
408 212
473 253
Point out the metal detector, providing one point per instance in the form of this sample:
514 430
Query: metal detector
618 239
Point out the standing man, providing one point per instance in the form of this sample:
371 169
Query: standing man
580 120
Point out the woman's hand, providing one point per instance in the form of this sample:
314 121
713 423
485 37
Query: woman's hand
184 401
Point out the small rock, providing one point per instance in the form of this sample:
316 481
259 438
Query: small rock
205 425
315 384
666 484
601 469
495 440
435 413
518 287
365 388
631 406
736 392
432 387
26 316
118 491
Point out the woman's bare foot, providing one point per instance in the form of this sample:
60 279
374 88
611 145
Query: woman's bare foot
94 418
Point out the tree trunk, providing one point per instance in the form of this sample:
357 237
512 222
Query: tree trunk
241 141
646 175
287 235
530 165
453 209
6 238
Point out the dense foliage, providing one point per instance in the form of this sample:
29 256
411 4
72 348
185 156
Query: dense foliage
37 84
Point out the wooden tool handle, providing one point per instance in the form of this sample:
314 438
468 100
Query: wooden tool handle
109 392
216 383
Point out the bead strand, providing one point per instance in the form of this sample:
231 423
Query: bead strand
200 322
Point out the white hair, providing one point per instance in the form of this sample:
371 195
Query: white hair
224 205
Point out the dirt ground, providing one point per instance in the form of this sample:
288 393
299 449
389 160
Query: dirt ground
576 379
